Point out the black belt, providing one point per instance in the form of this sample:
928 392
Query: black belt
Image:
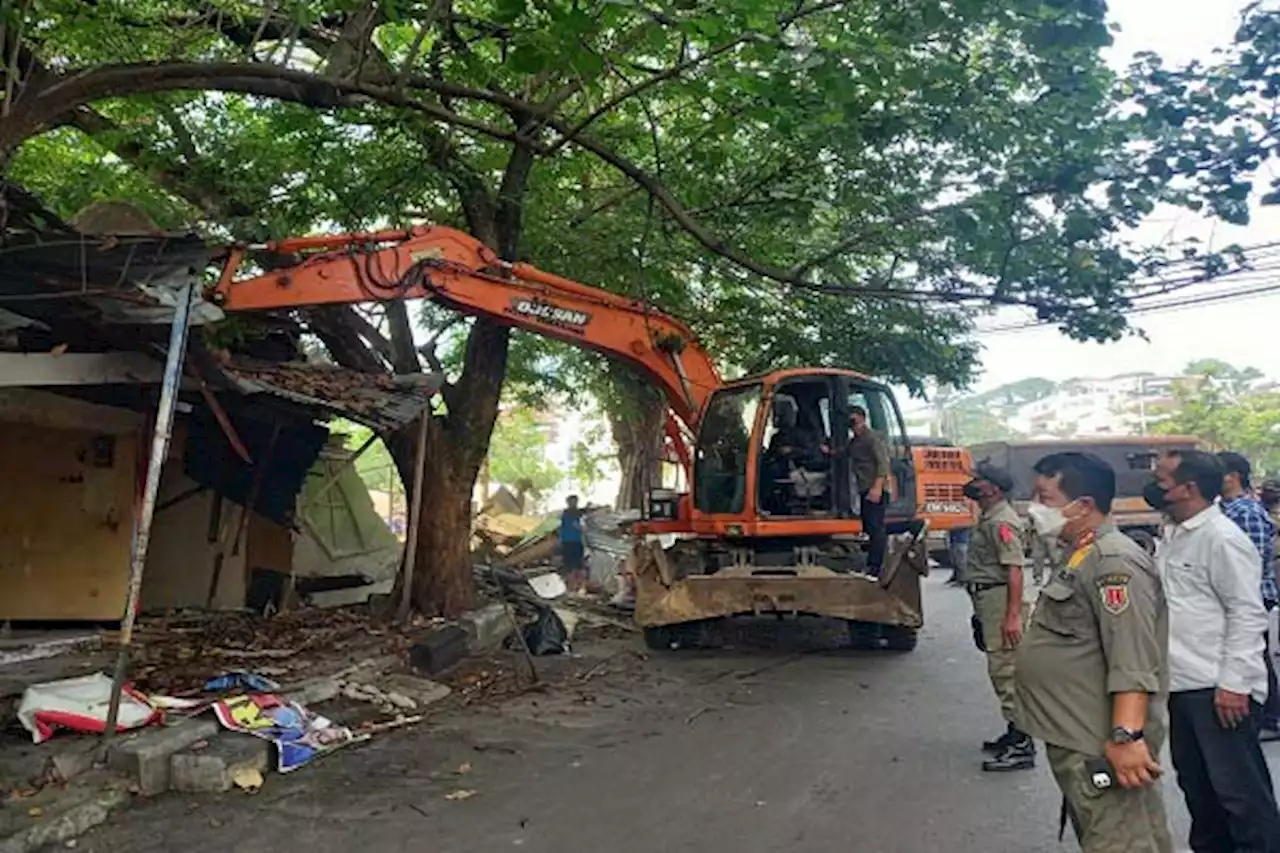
983 587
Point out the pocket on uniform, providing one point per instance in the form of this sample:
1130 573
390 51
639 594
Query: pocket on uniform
1060 610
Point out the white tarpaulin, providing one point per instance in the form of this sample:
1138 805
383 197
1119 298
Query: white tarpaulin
80 704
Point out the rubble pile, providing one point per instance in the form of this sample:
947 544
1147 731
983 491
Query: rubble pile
177 655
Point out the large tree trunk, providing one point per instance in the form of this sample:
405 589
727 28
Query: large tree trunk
636 414
457 442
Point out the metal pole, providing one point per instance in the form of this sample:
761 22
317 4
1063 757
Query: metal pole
412 520
160 437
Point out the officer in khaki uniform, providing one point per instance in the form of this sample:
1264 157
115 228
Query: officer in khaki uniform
993 576
1093 670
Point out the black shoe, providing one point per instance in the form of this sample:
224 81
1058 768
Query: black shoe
1020 755
999 745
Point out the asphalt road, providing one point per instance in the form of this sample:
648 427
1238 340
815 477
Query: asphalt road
731 751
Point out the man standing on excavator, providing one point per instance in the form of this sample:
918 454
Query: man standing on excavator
869 456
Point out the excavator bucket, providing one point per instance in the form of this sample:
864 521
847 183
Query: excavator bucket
667 597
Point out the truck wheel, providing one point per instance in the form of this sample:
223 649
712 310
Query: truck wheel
681 635
864 636
661 638
899 639
1143 538
872 636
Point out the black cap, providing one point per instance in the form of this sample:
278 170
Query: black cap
1236 464
995 475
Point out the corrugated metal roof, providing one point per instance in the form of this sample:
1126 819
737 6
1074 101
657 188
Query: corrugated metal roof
383 403
49 270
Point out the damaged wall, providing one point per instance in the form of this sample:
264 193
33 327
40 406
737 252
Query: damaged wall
343 535
65 530
180 557
185 544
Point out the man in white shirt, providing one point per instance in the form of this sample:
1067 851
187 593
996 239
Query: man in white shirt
1217 676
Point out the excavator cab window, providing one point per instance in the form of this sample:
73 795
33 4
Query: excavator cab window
724 442
795 463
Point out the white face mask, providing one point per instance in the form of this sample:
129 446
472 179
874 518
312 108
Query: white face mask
1048 521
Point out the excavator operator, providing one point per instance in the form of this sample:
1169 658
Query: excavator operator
792 448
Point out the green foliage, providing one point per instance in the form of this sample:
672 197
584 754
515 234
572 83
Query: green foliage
970 152
967 425
843 184
1247 423
586 463
975 418
518 453
1013 394
376 467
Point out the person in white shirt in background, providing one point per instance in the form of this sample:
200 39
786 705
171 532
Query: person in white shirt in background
1217 676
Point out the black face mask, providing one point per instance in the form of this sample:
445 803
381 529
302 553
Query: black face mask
1154 494
973 491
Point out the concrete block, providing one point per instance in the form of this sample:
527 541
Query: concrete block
422 691
145 756
210 770
439 649
73 760
486 627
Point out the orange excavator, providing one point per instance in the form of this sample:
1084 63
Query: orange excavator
770 521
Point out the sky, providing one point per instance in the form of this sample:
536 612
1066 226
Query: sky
1237 331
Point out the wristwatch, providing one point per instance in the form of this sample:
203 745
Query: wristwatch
1120 734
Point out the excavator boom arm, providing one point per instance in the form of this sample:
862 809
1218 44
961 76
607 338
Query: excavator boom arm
457 271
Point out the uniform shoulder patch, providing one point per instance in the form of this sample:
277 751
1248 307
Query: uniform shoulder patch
1006 532
1113 589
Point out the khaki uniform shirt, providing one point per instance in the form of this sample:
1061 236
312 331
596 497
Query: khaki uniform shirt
1101 627
996 544
869 455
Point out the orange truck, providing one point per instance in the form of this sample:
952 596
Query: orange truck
751 535
943 469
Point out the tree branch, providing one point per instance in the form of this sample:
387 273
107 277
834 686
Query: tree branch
54 103
679 68
217 203
438 8
404 355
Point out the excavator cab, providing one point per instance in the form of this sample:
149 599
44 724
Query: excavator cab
770 451
772 522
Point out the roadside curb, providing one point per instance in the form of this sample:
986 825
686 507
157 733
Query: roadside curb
70 821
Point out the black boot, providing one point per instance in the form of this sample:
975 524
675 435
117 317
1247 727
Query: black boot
1000 744
1019 755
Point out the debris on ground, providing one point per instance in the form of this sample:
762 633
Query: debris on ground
298 734
546 634
464 794
80 704
248 779
178 655
240 680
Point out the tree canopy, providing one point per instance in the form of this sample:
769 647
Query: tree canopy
816 181
1211 403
